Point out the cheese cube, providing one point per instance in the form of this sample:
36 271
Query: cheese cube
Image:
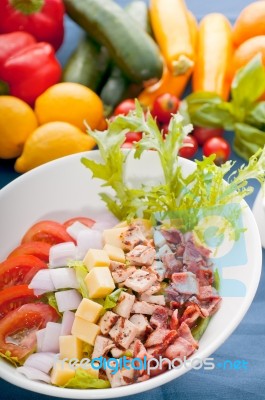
99 282
96 258
89 310
85 330
121 224
113 236
62 373
70 347
115 253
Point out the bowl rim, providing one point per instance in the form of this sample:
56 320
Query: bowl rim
159 380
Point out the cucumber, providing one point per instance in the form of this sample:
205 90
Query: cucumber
87 65
118 87
132 49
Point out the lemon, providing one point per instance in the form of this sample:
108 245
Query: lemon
17 122
70 102
51 141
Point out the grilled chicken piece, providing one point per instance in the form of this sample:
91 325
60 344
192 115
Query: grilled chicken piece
141 307
132 237
157 299
120 272
141 255
124 305
119 377
107 321
123 333
102 346
140 281
142 324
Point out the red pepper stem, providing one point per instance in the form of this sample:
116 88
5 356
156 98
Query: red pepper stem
4 88
27 7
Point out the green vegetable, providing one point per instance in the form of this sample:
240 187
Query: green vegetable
201 189
51 300
200 328
132 49
13 360
244 113
82 380
87 65
139 11
81 272
217 280
112 299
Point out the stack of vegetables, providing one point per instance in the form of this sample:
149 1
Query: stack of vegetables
140 51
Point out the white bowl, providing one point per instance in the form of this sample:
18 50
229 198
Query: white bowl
259 214
64 188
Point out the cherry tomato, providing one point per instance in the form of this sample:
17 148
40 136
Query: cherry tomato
18 328
133 137
47 231
83 220
203 134
127 145
38 249
14 297
124 107
165 105
19 270
189 148
217 146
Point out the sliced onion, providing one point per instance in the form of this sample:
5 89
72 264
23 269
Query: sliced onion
41 361
50 342
42 282
63 278
68 300
67 323
34 374
40 335
60 254
74 229
86 240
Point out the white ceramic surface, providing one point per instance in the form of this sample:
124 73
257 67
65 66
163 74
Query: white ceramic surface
63 189
259 214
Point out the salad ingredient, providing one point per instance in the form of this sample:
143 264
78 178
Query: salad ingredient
18 328
189 148
99 282
83 220
244 113
19 270
218 146
11 43
115 88
214 57
41 361
17 122
61 254
51 141
37 249
46 231
64 278
124 107
87 380
68 300
247 50
139 11
34 374
168 18
85 330
127 203
96 258
87 65
249 23
67 323
62 373
70 347
89 310
72 103
132 49
132 137
14 297
30 71
202 134
43 19
87 239
42 282
114 253
50 341
164 106
113 236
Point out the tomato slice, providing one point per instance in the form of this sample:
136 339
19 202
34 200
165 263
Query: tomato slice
14 297
38 249
18 328
47 231
19 270
83 220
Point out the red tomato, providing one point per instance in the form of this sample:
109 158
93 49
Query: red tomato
83 220
127 145
38 249
165 105
124 107
203 134
189 148
47 231
14 297
18 328
217 146
19 270
133 137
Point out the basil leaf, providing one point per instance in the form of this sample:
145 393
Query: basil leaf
249 83
247 139
256 116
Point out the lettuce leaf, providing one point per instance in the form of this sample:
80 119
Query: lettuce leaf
51 300
81 272
82 380
112 299
13 360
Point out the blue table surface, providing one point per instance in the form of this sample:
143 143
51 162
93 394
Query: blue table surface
246 343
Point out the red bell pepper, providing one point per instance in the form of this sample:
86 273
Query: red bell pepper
27 72
41 18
